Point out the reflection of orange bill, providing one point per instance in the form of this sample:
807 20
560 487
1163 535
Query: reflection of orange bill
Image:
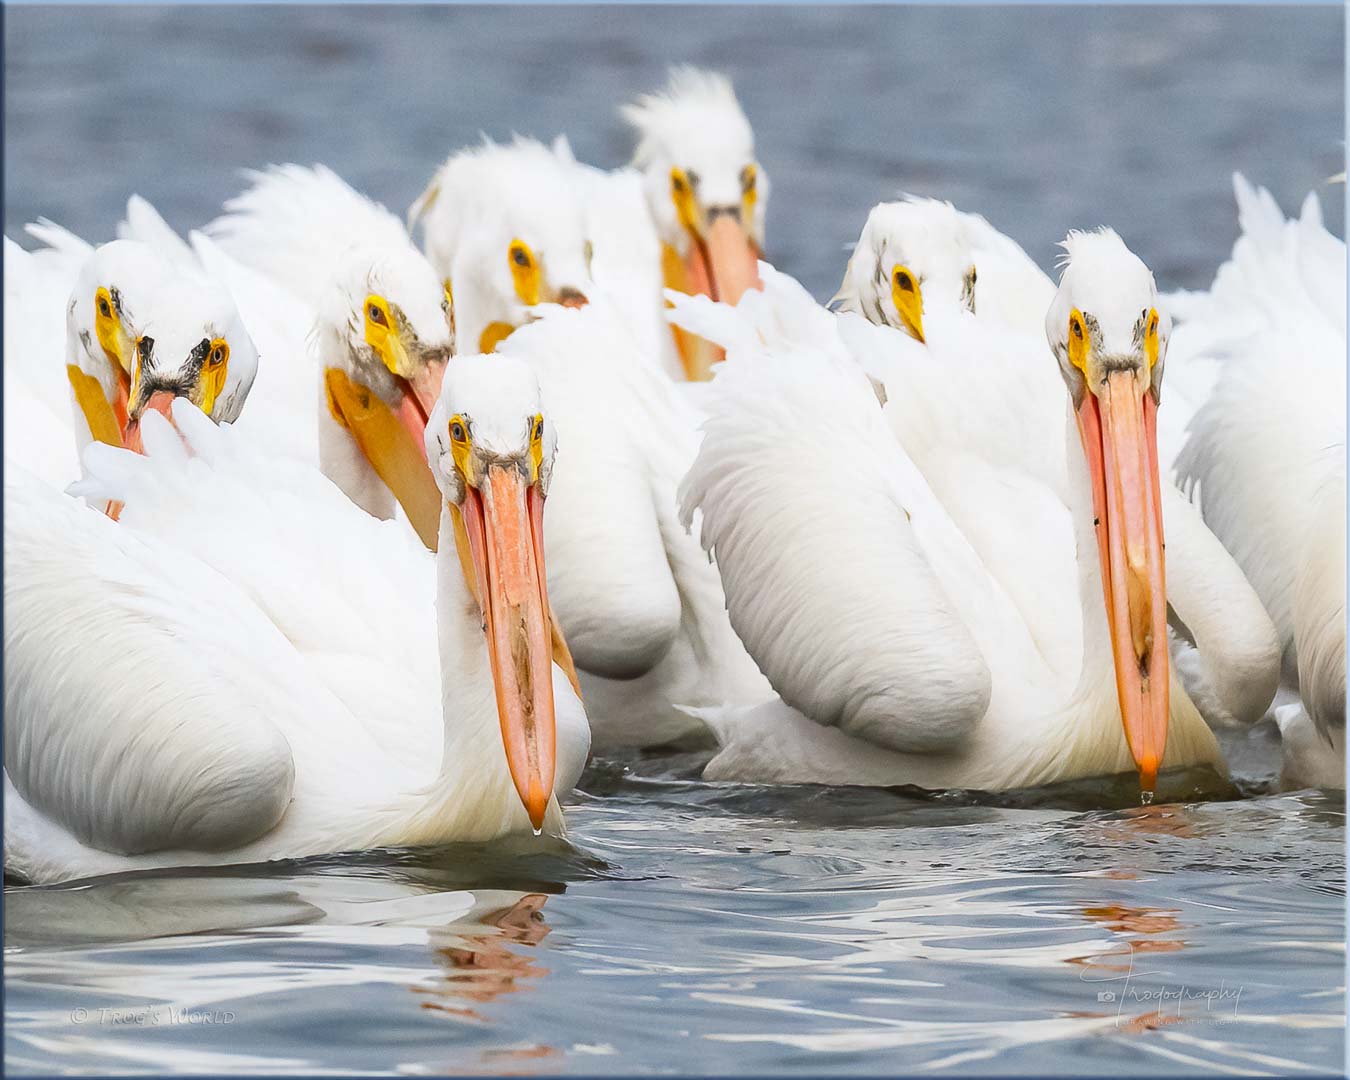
1118 426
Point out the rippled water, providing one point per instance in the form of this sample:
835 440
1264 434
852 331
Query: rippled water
701 928
693 927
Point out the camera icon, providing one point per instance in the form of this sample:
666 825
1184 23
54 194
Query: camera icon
1106 995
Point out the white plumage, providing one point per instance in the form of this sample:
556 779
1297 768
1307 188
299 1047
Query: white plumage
626 255
246 666
38 421
955 257
706 192
923 594
106 329
641 606
696 125
485 202
328 254
1265 450
278 321
642 610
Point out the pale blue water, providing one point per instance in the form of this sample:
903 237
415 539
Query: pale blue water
694 927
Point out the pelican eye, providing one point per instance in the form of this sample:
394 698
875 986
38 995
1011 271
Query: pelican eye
682 186
211 383
536 446
104 309
377 315
525 271
457 432
749 175
1078 345
1151 343
903 281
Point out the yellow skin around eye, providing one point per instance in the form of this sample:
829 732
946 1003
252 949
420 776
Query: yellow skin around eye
380 336
111 334
749 195
682 195
908 301
536 448
1078 342
460 449
460 452
526 277
212 381
1151 338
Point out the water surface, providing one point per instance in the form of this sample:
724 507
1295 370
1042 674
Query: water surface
704 928
1042 118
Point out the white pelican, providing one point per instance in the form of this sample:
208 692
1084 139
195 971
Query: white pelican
930 607
642 611
923 246
138 332
706 191
505 227
245 667
1265 452
379 323
642 608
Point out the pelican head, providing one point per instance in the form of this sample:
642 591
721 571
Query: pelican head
142 332
705 189
491 451
909 254
504 225
1109 334
385 328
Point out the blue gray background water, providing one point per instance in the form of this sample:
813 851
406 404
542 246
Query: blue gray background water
694 927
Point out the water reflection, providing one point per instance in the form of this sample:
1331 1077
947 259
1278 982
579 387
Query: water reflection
970 939
483 954
1139 924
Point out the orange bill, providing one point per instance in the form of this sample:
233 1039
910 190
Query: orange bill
722 267
107 420
1118 427
503 523
733 266
161 401
393 442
